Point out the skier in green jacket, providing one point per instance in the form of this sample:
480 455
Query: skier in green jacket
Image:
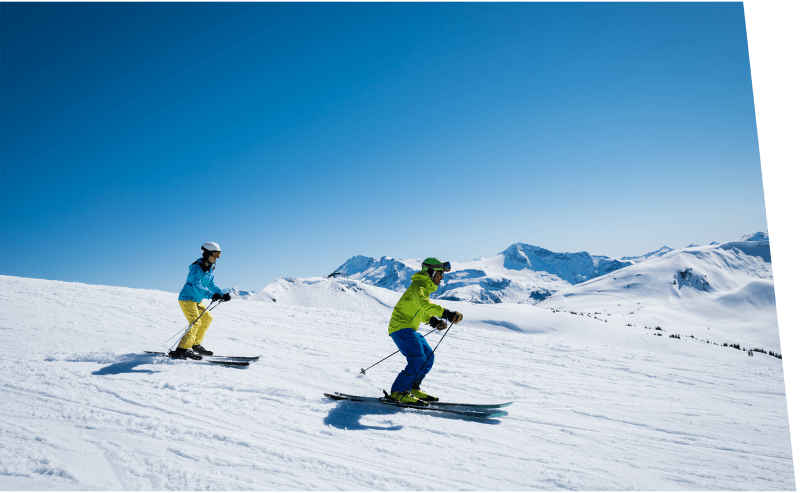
413 309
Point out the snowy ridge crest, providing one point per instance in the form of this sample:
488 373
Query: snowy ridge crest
657 253
574 268
386 273
759 236
522 273
239 294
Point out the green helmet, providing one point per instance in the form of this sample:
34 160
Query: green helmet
431 265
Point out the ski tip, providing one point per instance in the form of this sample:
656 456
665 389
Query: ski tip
499 414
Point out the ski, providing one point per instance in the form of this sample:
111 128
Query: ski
240 358
226 362
445 404
477 414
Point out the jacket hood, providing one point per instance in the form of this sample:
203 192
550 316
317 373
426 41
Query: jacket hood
201 262
425 280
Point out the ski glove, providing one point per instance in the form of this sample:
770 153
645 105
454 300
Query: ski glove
226 297
453 317
437 323
216 297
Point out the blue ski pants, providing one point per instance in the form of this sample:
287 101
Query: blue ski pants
416 350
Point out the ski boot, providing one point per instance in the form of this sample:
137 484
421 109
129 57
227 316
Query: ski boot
423 396
181 353
201 350
407 399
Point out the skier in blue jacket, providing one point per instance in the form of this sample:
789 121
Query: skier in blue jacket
199 285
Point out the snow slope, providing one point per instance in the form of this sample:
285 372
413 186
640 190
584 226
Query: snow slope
597 405
758 236
340 294
718 293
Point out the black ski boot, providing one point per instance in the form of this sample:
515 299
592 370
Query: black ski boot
181 353
201 350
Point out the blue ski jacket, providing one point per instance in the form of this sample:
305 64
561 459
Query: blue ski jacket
199 283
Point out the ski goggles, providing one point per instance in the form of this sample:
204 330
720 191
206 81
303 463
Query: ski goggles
215 254
444 266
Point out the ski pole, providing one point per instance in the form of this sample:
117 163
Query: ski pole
429 357
210 307
190 325
363 371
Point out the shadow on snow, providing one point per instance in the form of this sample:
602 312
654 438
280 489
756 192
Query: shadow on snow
346 415
127 365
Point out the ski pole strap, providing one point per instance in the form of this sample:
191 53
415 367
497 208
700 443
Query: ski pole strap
429 356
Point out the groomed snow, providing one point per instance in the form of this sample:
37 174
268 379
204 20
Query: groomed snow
597 405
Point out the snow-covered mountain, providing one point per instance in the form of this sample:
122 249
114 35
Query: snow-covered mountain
574 268
521 273
240 294
386 273
705 288
657 253
721 293
759 236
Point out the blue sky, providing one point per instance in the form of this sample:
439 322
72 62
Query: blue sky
298 135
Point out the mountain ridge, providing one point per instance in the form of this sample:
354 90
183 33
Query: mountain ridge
521 273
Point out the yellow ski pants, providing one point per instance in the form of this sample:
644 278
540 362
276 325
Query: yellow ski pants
197 332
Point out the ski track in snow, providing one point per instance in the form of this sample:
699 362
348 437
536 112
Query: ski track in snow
84 409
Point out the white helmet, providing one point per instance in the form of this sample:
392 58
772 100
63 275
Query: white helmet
210 246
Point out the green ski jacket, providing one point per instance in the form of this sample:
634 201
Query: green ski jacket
414 306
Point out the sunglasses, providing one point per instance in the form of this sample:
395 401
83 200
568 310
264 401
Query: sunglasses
216 254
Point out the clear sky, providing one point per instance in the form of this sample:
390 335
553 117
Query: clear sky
297 135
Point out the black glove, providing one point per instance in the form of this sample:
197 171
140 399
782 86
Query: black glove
437 323
453 317
216 297
226 297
